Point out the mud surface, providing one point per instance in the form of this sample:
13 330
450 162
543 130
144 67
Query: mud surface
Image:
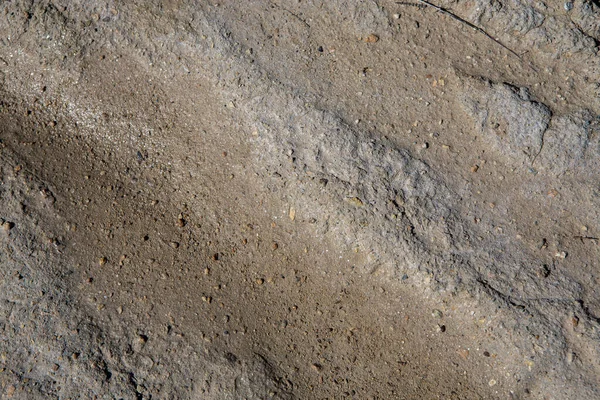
299 199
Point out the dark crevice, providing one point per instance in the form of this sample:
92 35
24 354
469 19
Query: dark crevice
133 383
587 312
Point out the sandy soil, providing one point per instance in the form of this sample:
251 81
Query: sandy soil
299 199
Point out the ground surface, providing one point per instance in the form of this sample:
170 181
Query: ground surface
299 199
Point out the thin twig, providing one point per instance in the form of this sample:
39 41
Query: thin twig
582 238
292 14
464 21
405 3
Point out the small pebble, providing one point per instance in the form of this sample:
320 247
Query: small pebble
260 281
474 168
437 314
174 245
102 261
355 201
372 38
561 254
568 6
316 367
292 213
492 382
7 226
274 246
543 272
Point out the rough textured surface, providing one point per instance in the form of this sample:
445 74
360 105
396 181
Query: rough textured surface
508 119
299 200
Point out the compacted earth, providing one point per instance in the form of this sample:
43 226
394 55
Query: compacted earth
299 199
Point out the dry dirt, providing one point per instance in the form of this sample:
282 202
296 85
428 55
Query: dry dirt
299 200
